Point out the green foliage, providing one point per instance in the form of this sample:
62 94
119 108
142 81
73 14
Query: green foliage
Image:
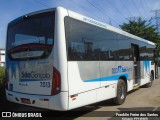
143 29
2 75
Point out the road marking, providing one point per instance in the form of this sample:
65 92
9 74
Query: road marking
155 108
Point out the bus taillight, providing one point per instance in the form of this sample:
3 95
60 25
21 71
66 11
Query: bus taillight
56 82
6 80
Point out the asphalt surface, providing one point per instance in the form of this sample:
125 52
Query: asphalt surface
140 100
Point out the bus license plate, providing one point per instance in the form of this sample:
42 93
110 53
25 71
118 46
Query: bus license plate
25 100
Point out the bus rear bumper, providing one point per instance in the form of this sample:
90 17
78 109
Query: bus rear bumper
56 102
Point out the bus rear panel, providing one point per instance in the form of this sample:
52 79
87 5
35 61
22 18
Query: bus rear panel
31 76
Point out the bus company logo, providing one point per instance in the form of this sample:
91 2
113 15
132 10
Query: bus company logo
33 75
94 22
121 69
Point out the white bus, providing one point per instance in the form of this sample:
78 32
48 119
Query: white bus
58 59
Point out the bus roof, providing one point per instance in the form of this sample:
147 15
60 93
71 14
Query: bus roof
105 26
90 21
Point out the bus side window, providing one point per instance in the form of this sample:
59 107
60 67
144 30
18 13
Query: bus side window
104 55
113 55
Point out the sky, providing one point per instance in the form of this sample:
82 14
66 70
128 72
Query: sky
113 12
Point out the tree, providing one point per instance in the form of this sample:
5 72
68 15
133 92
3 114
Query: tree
143 29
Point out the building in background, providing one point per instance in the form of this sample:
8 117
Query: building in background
2 57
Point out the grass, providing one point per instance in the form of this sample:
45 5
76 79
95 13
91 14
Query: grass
2 75
2 88
4 104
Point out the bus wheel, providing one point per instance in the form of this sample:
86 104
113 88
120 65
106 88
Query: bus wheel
151 81
121 93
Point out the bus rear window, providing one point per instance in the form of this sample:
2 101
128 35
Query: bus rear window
31 33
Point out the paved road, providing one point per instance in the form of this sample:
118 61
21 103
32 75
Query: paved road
143 99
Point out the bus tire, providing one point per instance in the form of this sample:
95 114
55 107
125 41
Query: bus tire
121 92
151 81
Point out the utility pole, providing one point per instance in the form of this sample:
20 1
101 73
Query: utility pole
157 18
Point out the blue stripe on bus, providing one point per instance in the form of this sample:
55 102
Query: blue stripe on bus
108 78
147 66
